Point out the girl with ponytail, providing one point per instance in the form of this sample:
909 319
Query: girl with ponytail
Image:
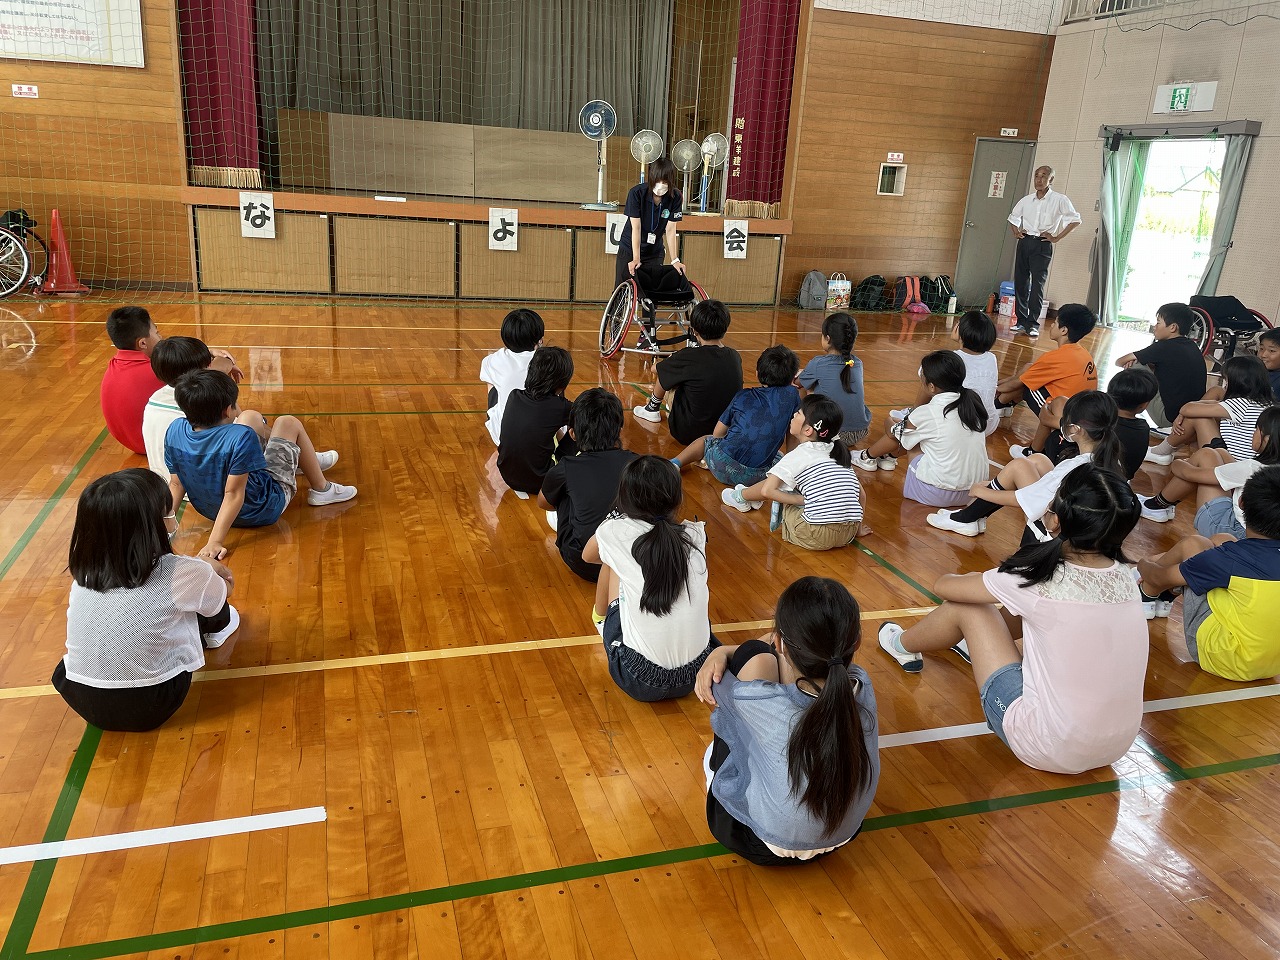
1067 696
837 374
819 496
795 760
652 586
949 425
1089 423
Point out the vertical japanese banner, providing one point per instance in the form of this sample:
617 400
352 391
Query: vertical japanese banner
614 224
257 215
735 239
762 98
504 228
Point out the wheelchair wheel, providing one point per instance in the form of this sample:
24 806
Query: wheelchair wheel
616 319
1201 331
15 263
698 293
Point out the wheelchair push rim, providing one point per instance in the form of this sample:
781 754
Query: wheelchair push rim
616 319
15 263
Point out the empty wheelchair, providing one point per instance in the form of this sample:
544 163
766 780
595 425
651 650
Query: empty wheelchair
1224 325
653 292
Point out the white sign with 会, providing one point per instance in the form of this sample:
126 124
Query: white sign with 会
257 215
504 228
735 239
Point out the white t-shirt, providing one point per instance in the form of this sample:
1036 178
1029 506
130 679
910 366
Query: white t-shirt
831 492
504 371
1035 499
677 637
144 636
982 375
1051 213
1232 477
1084 660
161 410
953 457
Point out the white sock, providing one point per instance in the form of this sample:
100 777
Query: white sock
1164 448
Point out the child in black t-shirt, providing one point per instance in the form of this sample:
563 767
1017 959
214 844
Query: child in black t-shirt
1177 362
579 491
1132 390
534 419
706 376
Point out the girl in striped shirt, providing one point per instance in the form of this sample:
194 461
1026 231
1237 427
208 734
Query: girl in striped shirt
1227 423
815 483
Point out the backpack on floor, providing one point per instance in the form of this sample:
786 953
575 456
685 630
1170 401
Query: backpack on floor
906 296
936 291
813 291
868 294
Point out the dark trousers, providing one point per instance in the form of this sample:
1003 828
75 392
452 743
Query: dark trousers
1030 271
621 271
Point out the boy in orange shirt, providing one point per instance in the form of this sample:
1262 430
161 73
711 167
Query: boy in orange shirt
1048 382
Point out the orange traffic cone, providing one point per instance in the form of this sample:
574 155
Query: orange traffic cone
61 276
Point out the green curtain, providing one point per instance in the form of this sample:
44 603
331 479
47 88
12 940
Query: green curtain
1232 186
1123 174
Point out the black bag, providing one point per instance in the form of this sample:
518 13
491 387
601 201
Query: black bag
813 291
868 294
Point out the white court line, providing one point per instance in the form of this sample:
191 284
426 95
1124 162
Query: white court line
149 838
933 735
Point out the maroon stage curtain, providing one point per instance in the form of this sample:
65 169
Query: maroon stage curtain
219 91
767 32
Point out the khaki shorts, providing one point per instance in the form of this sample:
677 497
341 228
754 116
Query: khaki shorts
282 463
1155 410
814 536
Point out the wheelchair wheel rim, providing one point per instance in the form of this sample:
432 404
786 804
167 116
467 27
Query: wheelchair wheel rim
616 320
15 264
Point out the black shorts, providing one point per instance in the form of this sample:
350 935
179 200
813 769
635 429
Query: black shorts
1037 400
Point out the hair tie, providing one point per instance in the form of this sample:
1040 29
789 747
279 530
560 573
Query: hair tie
656 520
835 662
849 362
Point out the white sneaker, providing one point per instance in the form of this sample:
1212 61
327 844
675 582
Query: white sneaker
1158 514
642 412
1005 412
961 650
942 520
899 415
521 494
327 458
1019 452
1163 607
553 519
337 493
1163 459
887 463
733 498
889 642
214 640
863 462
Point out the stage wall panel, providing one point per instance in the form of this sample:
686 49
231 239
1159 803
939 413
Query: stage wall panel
539 270
393 257
296 261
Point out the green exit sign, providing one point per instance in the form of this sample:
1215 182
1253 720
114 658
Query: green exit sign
1180 99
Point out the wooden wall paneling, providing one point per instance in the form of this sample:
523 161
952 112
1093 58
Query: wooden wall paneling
948 85
593 269
539 270
394 257
296 261
401 156
734 281
541 165
304 149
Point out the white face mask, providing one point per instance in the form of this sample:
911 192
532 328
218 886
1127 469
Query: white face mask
659 189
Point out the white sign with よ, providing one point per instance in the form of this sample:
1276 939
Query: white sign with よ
504 228
614 224
735 239
107 32
257 215
998 178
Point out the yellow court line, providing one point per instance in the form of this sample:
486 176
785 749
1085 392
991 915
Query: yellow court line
449 653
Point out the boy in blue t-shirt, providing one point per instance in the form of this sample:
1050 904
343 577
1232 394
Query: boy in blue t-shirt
748 435
236 472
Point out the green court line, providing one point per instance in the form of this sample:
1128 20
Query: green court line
895 571
34 526
1175 770
559 875
33 894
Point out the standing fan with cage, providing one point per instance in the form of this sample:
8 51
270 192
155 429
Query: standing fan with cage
597 120
715 151
646 146
687 157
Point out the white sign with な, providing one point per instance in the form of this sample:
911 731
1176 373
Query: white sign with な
998 178
504 228
614 224
257 215
735 239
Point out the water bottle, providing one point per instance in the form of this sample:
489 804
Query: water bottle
951 304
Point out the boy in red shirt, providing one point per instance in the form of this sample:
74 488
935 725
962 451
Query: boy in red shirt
129 381
1048 382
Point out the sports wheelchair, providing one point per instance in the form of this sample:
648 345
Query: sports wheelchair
16 263
1223 326
653 290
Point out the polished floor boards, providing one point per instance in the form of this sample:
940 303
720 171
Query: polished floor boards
420 664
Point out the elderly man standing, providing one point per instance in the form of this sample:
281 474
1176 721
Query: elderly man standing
1039 220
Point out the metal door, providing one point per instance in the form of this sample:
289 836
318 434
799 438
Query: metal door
1001 176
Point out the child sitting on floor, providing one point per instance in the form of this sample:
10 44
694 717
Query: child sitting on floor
819 493
837 374
1176 360
948 425
170 359
1132 390
505 370
237 470
1228 422
653 585
1059 669
1231 600
534 422
746 440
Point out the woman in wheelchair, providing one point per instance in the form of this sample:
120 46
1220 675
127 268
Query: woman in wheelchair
653 209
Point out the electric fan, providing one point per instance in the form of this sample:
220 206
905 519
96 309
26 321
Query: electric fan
687 156
715 151
645 147
597 120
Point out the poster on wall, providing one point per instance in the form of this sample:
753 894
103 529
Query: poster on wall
504 228
107 32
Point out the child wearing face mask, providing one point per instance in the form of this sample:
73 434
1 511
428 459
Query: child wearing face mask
653 209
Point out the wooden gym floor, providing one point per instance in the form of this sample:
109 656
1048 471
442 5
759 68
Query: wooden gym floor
420 666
